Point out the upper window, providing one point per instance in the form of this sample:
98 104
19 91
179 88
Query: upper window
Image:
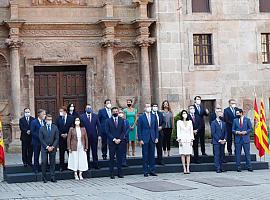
264 6
200 6
265 47
202 47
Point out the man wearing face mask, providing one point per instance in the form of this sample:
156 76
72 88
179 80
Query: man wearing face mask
229 116
219 136
34 130
103 115
148 137
197 125
49 138
26 137
160 121
63 123
201 112
115 130
92 125
242 128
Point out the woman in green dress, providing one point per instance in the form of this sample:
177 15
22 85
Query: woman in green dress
131 115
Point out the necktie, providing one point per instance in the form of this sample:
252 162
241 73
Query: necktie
193 118
89 118
63 119
199 109
27 119
241 123
49 130
220 124
233 111
115 122
41 123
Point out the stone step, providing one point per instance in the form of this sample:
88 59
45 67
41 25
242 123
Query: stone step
11 169
131 170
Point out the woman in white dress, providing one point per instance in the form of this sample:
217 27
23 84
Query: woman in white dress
77 144
185 138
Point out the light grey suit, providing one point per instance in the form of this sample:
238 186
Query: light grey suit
48 139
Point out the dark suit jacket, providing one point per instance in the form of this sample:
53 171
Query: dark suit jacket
93 128
49 140
229 117
146 132
218 133
115 132
34 129
64 128
202 113
197 124
74 114
246 126
160 118
24 127
103 116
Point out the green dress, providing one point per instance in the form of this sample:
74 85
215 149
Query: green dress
131 116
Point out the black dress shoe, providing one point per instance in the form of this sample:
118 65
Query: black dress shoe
44 180
145 175
53 180
104 157
230 153
204 154
25 165
120 176
112 177
35 171
61 170
222 170
153 174
196 162
238 170
161 163
125 165
250 170
218 171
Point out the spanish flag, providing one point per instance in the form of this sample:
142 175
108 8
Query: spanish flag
257 128
2 152
264 133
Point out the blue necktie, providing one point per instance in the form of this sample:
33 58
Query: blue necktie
49 130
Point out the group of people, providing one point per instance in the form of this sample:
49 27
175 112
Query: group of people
120 129
224 127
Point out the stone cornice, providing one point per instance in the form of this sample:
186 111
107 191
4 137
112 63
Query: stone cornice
108 22
109 42
144 42
14 23
145 2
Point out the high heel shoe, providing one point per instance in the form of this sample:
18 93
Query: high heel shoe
76 176
80 175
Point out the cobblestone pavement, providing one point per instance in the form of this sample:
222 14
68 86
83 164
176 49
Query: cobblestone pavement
105 188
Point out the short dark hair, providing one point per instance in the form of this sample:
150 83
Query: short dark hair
69 105
64 108
26 109
87 105
48 115
181 113
191 106
154 104
107 100
239 110
197 97
81 123
130 100
40 111
114 108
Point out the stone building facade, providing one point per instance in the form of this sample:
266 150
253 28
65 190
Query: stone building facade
55 52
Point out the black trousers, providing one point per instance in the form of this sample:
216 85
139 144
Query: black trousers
202 140
62 150
159 147
44 163
116 150
92 144
104 147
196 147
229 138
167 134
27 151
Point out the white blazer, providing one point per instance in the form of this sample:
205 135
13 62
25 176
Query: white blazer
185 132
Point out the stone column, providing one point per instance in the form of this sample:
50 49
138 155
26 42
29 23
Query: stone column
144 43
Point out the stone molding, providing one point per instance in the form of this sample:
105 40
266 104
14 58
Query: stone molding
14 43
144 42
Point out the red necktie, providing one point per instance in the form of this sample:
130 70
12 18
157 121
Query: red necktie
241 124
193 118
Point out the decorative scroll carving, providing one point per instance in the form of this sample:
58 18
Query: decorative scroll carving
144 42
59 2
14 42
109 42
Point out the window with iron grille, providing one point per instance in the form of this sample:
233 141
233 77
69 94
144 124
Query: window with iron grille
264 5
200 6
265 47
202 47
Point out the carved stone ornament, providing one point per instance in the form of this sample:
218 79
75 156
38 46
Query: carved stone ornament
59 2
145 42
109 42
14 42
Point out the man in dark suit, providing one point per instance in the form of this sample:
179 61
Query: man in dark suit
242 128
229 116
34 130
103 115
219 136
160 121
201 112
148 137
26 137
92 125
115 129
63 123
197 125
49 138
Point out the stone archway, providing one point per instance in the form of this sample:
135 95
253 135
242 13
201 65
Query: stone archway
126 77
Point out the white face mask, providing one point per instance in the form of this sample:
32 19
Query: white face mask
233 105
121 115
192 111
71 108
198 101
77 123
109 105
27 114
61 114
155 109
148 109
184 116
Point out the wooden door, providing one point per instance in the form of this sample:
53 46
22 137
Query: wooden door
58 86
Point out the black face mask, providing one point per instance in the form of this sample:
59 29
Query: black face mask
129 104
115 114
238 116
